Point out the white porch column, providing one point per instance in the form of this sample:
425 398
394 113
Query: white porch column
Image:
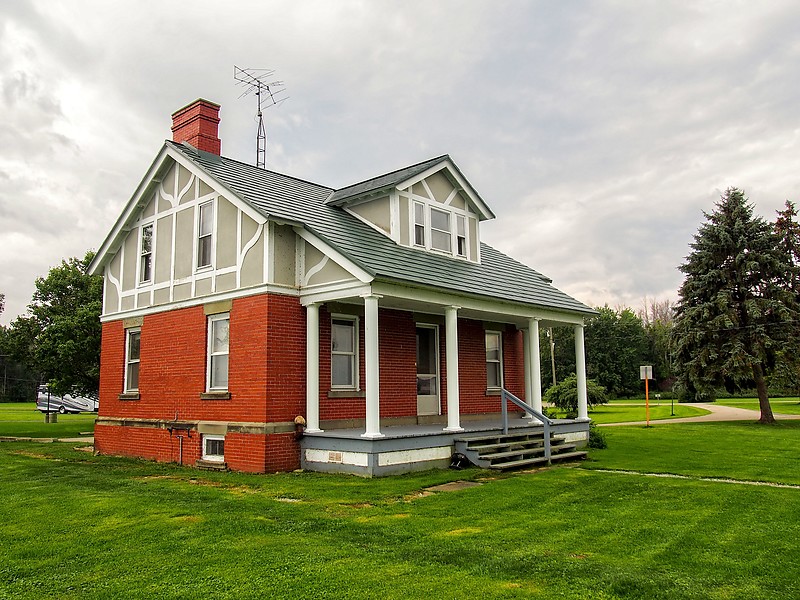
372 365
534 366
312 368
580 371
451 350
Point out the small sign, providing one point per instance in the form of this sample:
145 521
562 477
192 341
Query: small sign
646 372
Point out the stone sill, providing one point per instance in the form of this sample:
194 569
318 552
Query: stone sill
215 396
129 396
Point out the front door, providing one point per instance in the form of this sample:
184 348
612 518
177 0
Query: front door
427 370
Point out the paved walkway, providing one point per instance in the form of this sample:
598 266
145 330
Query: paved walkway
717 412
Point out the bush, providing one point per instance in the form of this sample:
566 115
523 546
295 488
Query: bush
565 394
597 438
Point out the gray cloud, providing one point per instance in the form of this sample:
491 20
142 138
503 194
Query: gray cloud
597 131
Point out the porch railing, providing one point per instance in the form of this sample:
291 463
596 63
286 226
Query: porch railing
506 397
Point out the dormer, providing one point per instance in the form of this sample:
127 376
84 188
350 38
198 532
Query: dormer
429 206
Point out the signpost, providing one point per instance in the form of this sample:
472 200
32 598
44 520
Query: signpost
646 373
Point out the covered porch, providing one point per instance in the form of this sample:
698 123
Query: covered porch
452 398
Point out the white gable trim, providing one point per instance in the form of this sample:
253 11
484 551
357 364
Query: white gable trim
484 211
334 254
138 202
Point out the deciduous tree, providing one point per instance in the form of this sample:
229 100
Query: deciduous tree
59 336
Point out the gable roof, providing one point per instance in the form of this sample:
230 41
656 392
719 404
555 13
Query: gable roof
284 198
407 176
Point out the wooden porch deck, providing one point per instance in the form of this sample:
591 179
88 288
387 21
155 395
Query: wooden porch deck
405 448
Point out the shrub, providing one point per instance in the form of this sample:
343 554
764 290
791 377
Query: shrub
597 438
564 395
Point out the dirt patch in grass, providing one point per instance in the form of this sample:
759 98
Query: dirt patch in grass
36 455
454 486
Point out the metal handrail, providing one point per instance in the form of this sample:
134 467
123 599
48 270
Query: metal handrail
506 397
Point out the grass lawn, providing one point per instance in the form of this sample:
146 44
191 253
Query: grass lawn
73 524
623 411
23 420
785 406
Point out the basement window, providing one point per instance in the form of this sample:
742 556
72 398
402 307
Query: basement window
214 448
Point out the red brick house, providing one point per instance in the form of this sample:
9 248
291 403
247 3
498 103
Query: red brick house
237 299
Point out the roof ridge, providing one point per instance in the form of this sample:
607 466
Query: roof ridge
406 168
258 169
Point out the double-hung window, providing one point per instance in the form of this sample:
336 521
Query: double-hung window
461 235
494 360
218 348
132 349
419 224
204 235
344 352
146 254
440 230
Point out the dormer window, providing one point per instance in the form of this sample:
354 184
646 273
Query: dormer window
461 235
419 223
440 230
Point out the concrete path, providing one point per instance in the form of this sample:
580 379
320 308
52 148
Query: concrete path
717 412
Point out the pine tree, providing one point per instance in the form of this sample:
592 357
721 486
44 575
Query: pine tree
735 310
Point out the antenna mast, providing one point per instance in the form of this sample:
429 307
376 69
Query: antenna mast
254 81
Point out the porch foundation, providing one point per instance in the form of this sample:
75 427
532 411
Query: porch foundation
408 448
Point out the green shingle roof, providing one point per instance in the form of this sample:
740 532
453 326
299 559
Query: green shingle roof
282 197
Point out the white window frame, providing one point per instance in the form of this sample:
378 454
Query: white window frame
457 218
132 361
461 223
422 225
210 354
499 360
201 236
448 232
146 256
355 353
208 437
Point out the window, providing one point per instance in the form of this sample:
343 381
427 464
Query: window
132 346
204 237
440 230
461 235
214 448
344 352
218 330
419 223
494 360
146 254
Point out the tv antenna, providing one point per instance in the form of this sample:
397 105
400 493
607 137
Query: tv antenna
255 81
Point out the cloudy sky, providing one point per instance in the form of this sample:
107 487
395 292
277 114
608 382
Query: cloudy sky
598 132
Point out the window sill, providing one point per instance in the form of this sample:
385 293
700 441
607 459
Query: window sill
129 396
494 392
347 394
215 396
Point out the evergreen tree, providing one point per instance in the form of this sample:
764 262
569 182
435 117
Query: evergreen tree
787 370
735 311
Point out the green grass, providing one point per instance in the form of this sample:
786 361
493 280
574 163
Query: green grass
23 420
741 450
630 411
623 413
781 406
76 525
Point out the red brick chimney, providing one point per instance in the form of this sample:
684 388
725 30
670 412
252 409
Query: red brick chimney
198 124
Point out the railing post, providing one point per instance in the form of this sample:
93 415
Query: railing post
504 411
